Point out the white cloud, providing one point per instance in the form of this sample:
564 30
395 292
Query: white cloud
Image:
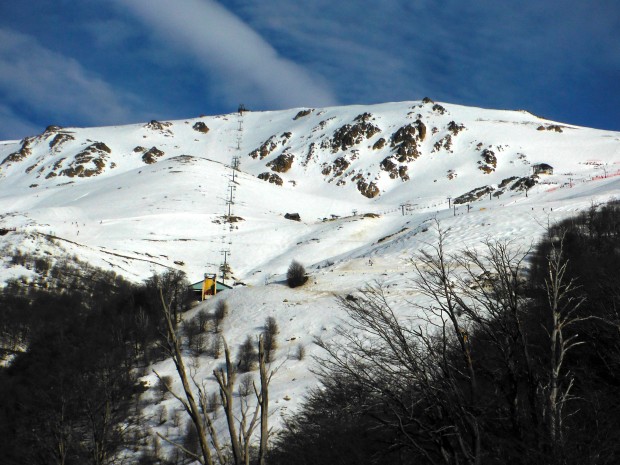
47 82
248 68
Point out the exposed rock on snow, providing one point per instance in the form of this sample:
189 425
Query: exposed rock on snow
282 163
152 155
272 178
201 127
89 162
303 113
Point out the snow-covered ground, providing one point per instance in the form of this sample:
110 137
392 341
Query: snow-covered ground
137 218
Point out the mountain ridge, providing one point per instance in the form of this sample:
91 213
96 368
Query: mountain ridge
153 212
403 157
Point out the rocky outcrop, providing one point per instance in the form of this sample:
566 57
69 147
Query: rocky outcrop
24 151
160 126
337 168
388 165
439 109
350 135
550 127
282 163
51 129
488 162
322 124
201 127
455 128
292 216
89 162
154 125
303 113
270 145
271 178
472 195
60 139
286 136
443 143
152 155
367 189
393 169
310 154
405 141
519 184
265 149
524 183
379 144
507 181
363 117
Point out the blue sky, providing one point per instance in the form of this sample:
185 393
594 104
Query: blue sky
103 62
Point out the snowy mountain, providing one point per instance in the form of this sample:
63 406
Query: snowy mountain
154 193
366 181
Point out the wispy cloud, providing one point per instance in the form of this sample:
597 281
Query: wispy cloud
370 51
35 80
481 53
186 57
246 67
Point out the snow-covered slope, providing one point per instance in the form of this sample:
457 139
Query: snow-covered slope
367 181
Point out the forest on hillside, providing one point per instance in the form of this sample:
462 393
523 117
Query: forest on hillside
511 356
514 359
78 345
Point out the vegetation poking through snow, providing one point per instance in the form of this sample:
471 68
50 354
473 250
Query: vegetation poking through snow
247 359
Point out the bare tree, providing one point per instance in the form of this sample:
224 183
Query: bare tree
563 305
437 280
387 359
487 365
490 291
241 427
173 346
423 366
241 421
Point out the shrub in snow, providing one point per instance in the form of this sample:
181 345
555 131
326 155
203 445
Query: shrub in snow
215 346
269 337
248 357
296 274
246 385
221 310
301 352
